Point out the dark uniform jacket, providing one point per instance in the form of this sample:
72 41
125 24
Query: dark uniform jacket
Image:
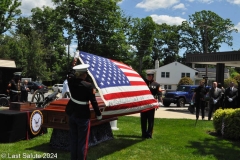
14 88
215 95
154 88
81 91
200 93
229 93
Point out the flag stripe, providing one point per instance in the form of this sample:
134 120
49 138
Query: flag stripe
111 90
126 94
133 104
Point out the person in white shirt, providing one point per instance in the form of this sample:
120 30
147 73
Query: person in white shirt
65 90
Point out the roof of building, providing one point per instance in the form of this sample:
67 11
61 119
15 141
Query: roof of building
7 63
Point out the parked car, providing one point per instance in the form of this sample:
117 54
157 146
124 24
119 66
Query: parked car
33 86
183 95
57 87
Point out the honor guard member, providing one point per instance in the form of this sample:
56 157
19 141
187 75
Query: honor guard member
14 87
79 112
147 118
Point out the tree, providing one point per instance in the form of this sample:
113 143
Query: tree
205 32
99 26
142 36
8 12
185 81
166 43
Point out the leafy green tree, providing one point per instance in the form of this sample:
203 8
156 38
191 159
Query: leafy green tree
237 77
166 43
185 81
99 26
227 82
142 37
205 32
8 12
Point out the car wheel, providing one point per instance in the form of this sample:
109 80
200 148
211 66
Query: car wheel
181 102
32 91
166 104
4 102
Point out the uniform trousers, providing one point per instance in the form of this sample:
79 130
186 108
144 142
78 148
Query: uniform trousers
147 118
79 134
212 108
200 105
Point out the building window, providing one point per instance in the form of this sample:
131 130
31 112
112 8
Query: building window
169 87
163 74
165 86
188 75
183 75
167 74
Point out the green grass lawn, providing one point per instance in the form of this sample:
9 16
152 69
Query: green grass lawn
173 139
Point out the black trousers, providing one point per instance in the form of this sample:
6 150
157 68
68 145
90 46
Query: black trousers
212 108
147 122
79 133
200 105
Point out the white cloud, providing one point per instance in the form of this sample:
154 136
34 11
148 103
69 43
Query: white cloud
179 6
234 1
150 5
206 1
28 5
167 19
238 27
190 0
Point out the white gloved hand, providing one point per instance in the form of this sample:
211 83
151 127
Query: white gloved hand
76 55
99 117
214 101
160 104
230 99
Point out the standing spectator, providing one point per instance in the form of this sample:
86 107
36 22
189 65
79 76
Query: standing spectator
79 112
231 95
14 87
215 95
222 96
199 97
65 90
24 91
147 118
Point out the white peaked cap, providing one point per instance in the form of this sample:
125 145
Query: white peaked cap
81 68
17 73
150 72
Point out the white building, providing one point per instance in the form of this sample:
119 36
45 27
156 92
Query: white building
169 75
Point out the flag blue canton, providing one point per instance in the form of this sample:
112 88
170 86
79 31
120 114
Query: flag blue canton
104 71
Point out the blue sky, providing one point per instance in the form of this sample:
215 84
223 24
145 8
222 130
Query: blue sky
172 12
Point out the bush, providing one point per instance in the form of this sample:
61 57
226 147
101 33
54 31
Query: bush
226 123
237 77
185 81
227 82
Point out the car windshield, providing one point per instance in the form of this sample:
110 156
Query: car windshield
183 88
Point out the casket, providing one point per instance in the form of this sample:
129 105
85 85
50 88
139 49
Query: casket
55 116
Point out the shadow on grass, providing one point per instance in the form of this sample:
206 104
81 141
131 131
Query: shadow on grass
46 148
103 149
217 147
109 147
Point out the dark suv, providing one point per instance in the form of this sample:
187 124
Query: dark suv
33 86
183 95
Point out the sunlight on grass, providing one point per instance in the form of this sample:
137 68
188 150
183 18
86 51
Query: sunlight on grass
173 139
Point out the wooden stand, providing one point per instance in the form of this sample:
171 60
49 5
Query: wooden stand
20 106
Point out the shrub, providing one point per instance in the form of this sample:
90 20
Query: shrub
227 82
185 81
237 77
226 123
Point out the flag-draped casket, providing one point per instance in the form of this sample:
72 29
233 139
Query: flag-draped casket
121 88
122 91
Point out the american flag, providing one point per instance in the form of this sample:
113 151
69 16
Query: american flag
121 88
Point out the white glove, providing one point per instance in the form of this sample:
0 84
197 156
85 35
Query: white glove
230 99
214 101
160 104
76 55
99 117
